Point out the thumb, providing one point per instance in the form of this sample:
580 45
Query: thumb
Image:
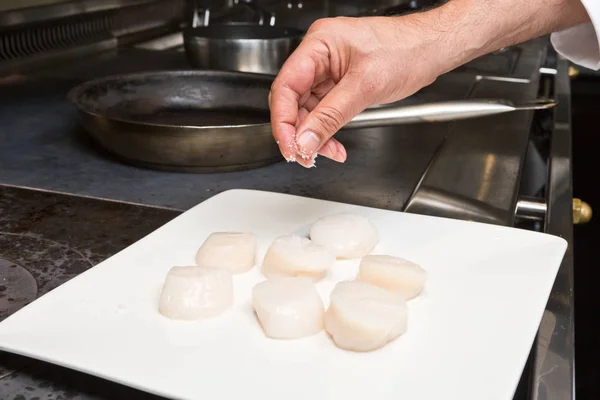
336 109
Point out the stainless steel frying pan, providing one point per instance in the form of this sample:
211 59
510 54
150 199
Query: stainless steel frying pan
207 121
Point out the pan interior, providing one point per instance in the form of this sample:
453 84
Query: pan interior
194 98
199 117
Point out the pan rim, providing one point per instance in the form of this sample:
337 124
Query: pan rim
166 126
78 90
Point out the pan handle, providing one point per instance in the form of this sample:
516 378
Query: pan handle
440 112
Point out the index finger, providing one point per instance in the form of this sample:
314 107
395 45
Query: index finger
306 66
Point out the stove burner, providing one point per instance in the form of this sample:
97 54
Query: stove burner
31 266
18 288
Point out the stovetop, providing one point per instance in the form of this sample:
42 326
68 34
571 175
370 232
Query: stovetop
44 146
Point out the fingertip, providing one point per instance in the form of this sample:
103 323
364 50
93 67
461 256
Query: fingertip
284 137
307 162
334 150
341 155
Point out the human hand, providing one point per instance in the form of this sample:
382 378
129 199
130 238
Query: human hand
343 66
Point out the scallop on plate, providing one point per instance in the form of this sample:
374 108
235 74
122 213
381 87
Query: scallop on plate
465 334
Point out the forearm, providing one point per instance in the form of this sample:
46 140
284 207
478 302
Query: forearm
344 65
471 28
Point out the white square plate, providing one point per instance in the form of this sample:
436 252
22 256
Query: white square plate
469 333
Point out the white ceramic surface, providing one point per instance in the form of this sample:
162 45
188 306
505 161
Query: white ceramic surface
469 333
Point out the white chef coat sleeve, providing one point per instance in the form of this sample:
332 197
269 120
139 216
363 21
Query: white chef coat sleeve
579 44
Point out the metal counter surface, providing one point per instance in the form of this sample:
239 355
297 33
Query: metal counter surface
42 145
476 174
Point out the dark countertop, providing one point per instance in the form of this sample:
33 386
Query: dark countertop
45 240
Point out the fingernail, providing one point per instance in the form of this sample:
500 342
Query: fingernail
338 157
308 144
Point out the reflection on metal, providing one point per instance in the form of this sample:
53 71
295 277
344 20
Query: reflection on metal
582 212
573 72
481 161
531 209
503 79
442 203
443 111
486 179
170 41
554 351
547 71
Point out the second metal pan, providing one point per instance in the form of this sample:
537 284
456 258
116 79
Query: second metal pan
241 46
208 121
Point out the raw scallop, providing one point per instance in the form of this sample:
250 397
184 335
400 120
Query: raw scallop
288 308
363 317
345 235
392 273
234 251
297 256
191 293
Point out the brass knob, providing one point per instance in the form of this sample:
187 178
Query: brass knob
582 212
573 72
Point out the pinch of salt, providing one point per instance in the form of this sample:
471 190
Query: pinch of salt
313 163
